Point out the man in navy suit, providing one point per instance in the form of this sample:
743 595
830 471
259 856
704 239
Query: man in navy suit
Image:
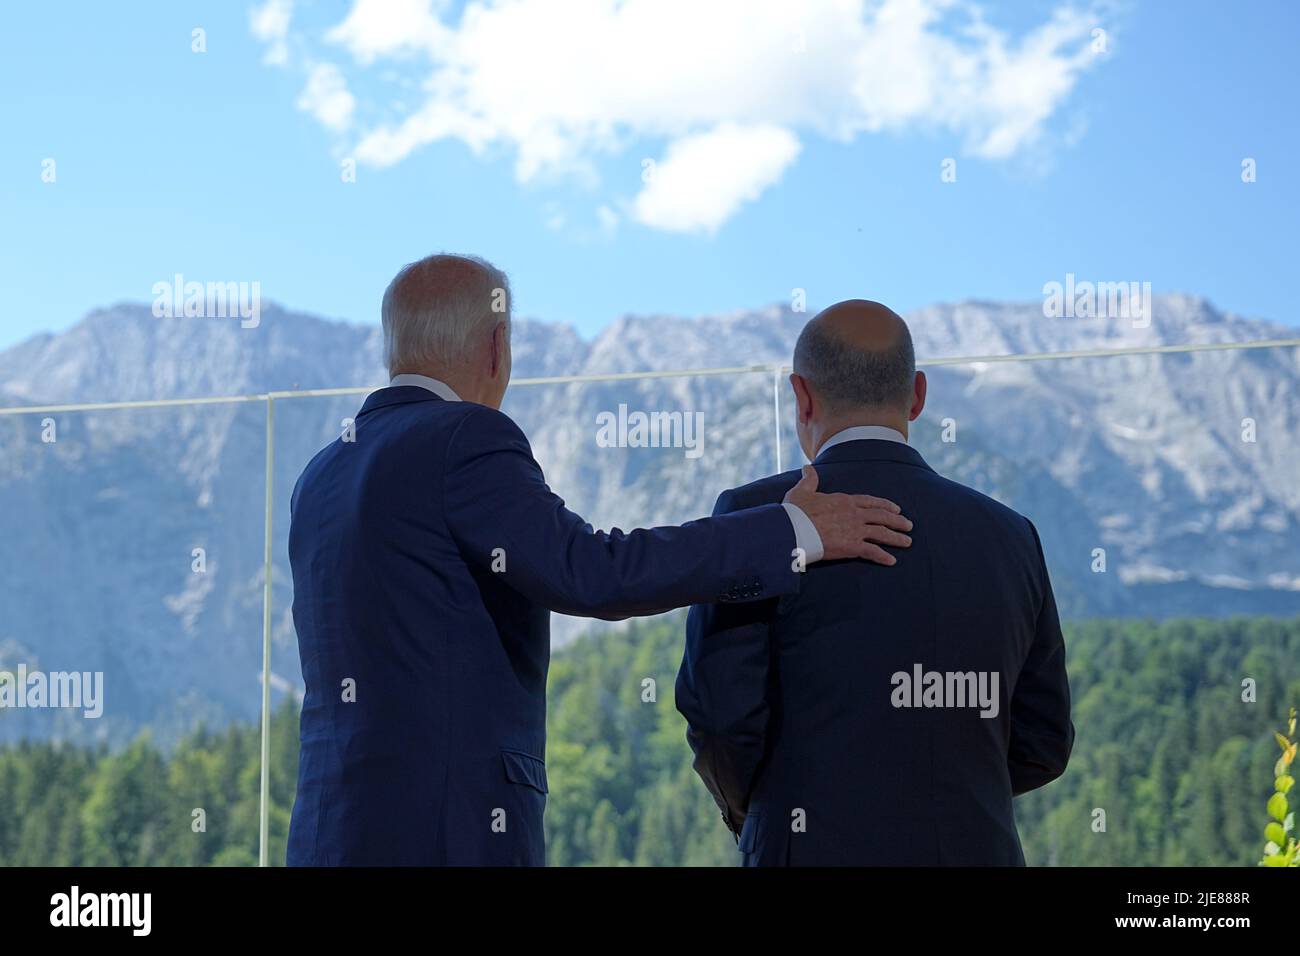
880 717
427 553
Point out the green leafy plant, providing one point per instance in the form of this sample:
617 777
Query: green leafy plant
1281 848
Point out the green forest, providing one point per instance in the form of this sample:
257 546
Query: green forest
1180 765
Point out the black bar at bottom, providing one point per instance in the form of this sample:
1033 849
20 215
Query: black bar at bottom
654 906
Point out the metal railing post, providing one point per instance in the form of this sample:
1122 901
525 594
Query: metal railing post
776 412
264 796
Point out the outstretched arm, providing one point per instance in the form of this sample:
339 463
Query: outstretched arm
497 504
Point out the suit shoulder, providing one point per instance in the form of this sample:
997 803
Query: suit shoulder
764 491
470 420
484 417
991 507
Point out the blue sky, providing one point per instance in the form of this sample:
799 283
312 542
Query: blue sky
786 152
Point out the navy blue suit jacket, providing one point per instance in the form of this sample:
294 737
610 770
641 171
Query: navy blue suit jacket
427 554
791 701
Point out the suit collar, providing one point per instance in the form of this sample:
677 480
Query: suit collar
856 432
871 449
397 395
441 389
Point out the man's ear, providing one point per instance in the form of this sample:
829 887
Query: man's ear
803 397
499 346
918 396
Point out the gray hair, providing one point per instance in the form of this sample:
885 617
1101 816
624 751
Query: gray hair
847 377
434 309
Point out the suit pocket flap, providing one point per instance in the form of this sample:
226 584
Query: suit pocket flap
524 769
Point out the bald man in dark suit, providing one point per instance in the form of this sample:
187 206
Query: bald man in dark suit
881 717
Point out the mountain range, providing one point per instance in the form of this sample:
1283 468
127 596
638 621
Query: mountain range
131 543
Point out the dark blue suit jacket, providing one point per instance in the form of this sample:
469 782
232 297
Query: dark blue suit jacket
427 555
791 701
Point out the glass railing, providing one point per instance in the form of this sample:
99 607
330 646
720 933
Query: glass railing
138 539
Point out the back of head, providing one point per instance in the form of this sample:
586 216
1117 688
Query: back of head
436 309
857 355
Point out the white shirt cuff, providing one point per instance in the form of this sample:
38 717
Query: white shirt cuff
806 538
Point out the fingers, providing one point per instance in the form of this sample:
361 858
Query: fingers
887 536
878 510
871 501
866 541
886 519
852 526
876 554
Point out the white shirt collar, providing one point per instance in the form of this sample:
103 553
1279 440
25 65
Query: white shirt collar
441 389
858 432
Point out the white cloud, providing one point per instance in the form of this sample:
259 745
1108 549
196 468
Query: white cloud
327 98
269 23
561 83
377 28
705 178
